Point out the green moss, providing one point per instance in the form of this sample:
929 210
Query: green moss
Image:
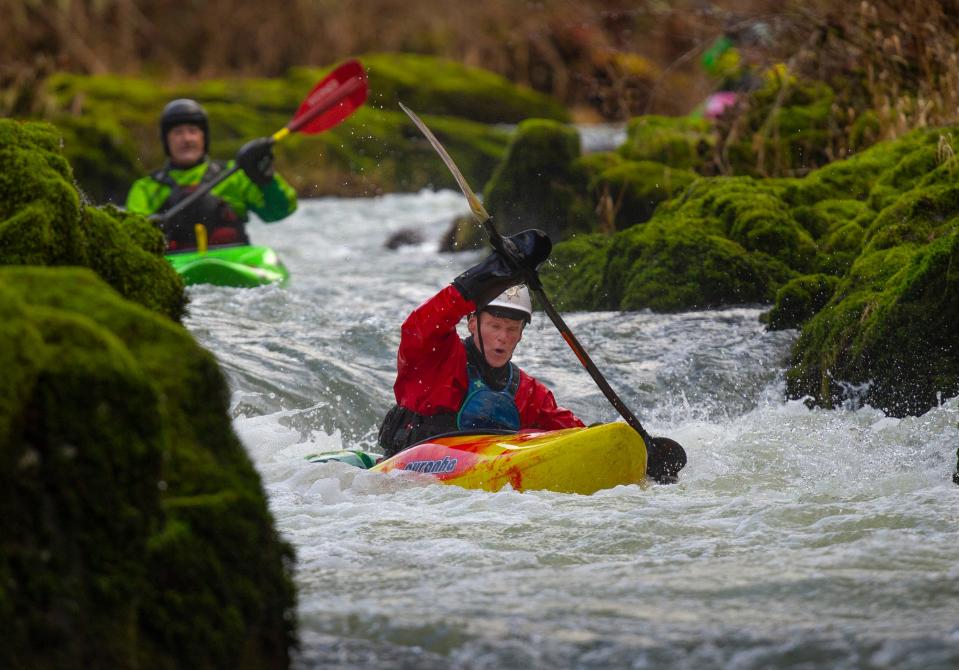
443 87
902 177
888 331
535 186
787 128
43 223
799 299
824 217
111 125
669 266
588 166
918 217
573 278
679 142
752 214
636 188
136 532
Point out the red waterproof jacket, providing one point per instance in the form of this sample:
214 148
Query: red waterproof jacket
431 373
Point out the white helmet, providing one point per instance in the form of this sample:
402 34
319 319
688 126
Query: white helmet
513 303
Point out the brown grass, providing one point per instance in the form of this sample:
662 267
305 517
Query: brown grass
606 59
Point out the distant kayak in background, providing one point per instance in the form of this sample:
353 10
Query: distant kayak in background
242 265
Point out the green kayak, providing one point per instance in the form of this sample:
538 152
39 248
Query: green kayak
236 265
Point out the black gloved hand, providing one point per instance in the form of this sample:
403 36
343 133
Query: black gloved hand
527 249
521 257
256 159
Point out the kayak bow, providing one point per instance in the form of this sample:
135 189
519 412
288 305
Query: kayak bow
242 266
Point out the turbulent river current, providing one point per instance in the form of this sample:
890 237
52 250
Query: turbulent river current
796 537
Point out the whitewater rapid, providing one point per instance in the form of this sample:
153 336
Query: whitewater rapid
796 537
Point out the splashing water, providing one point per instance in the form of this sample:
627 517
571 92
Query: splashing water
796 538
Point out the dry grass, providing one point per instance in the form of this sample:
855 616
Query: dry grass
603 55
896 57
605 59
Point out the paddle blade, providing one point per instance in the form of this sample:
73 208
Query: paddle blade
479 212
664 459
333 99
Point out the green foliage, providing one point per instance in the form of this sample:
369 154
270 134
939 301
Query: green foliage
42 222
135 532
679 142
786 129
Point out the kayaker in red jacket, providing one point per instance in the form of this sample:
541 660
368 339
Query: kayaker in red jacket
444 383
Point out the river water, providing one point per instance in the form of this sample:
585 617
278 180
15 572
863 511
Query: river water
796 537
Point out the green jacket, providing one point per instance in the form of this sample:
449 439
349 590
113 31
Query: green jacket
272 202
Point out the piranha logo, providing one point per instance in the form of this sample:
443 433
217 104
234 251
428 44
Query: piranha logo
440 467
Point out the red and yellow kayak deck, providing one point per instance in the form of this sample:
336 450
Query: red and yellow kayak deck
574 460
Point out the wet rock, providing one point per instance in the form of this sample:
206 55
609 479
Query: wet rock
404 238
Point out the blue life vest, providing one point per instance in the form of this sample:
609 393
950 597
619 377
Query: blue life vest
484 407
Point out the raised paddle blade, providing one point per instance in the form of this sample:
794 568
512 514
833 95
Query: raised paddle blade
333 99
479 212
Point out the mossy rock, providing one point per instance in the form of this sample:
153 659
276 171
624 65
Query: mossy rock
668 266
136 531
535 185
799 300
573 277
892 183
751 213
826 216
634 189
918 217
888 338
664 265
682 143
42 222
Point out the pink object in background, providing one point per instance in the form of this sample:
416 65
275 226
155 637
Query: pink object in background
718 102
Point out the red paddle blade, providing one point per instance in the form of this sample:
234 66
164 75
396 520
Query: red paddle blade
332 100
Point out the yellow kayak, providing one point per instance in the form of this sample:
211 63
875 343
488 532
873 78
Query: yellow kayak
574 460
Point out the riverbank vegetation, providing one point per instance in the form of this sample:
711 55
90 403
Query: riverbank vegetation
111 133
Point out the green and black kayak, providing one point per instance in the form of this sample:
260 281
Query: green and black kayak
238 265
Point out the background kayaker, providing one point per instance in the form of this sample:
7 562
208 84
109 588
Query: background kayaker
185 133
444 383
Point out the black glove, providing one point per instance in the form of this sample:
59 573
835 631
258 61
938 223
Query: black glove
521 257
256 160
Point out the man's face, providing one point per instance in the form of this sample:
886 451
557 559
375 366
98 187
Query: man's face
500 336
186 144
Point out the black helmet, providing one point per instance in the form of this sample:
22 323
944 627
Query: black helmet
180 111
